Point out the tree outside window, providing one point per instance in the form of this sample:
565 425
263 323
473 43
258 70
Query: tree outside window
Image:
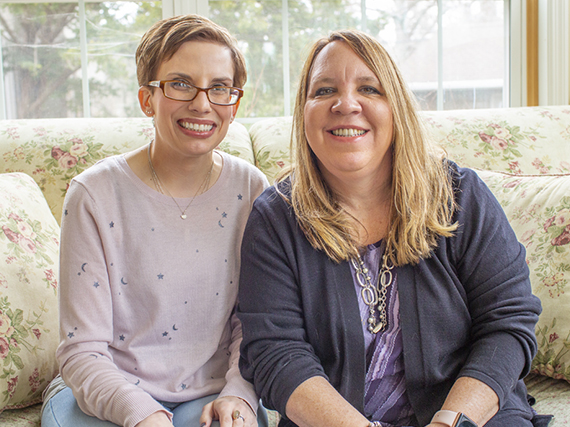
458 65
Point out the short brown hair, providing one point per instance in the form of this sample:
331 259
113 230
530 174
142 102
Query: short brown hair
165 37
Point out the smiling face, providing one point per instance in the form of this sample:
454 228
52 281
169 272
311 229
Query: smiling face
348 121
196 127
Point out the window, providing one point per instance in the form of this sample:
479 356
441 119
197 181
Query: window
70 59
452 53
76 58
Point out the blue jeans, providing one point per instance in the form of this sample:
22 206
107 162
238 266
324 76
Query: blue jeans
62 411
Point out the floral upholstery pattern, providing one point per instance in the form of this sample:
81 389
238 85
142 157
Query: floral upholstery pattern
538 208
515 140
29 334
53 151
523 154
271 139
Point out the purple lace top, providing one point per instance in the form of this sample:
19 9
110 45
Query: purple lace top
385 397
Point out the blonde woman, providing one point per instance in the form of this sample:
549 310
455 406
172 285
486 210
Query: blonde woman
381 285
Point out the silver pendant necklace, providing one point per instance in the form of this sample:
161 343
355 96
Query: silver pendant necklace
161 188
374 296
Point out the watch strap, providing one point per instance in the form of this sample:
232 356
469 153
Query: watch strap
450 418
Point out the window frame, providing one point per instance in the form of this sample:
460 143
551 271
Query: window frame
538 51
515 88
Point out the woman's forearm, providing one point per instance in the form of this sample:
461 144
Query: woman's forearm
316 403
473 398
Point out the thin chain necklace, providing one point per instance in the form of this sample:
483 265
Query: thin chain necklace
160 187
374 296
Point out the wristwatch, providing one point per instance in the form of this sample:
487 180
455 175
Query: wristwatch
453 419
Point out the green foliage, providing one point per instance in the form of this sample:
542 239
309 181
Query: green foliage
258 26
42 57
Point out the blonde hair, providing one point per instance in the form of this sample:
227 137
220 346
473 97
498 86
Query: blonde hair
422 194
165 37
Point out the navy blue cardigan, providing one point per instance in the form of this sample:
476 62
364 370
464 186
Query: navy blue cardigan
467 310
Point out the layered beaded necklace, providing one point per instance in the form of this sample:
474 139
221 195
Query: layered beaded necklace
374 295
161 188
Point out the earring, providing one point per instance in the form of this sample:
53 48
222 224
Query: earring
149 112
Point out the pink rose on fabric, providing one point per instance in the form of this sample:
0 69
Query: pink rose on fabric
502 133
4 348
565 165
37 333
50 276
57 152
280 163
6 328
553 337
25 229
549 222
537 163
514 167
484 137
28 245
512 184
3 281
12 386
498 143
34 380
563 218
13 237
78 150
40 131
14 216
67 161
563 239
526 237
19 153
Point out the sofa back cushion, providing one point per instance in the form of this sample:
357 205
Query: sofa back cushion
532 140
53 151
29 251
271 139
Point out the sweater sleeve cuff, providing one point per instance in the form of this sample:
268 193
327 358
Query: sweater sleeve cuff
243 390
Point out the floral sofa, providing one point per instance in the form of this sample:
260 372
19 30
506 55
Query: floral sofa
523 154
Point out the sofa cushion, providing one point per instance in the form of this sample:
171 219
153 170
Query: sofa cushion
238 143
29 334
53 151
271 139
515 140
552 397
538 208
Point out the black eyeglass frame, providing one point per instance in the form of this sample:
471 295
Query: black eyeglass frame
160 84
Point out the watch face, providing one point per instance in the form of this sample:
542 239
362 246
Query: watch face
465 422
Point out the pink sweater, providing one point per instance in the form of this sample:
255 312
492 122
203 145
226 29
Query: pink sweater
147 299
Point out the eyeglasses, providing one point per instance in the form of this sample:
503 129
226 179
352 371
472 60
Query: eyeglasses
178 90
